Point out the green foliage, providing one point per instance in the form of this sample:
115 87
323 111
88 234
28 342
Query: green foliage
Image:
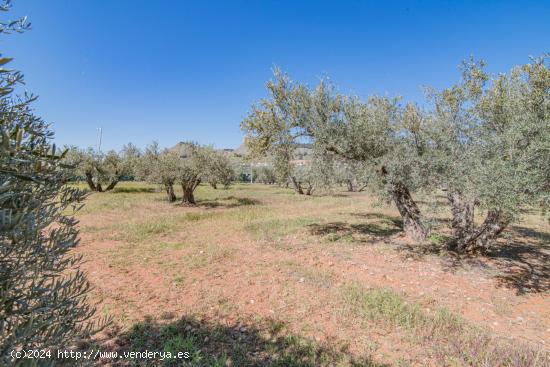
264 174
218 169
273 130
102 171
191 169
372 132
489 146
160 167
42 291
485 141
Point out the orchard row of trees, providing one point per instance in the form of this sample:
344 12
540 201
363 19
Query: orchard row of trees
187 164
305 177
484 142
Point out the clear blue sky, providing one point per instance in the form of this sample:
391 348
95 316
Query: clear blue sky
181 70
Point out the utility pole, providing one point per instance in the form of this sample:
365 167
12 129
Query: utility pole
99 135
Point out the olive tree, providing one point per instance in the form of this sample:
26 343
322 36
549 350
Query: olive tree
42 291
383 135
102 171
159 167
378 132
264 174
274 128
219 169
489 150
192 168
354 175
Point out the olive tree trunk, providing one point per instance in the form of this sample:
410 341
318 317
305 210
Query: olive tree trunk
112 184
171 196
479 239
188 188
299 189
297 185
409 211
462 223
466 237
495 222
90 181
310 189
350 186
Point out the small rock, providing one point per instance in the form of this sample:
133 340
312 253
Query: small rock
495 323
243 329
301 280
206 339
252 301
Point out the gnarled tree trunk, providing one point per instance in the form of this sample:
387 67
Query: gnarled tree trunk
409 211
350 186
297 185
481 238
462 223
169 187
90 181
188 198
111 185
495 222
466 237
188 188
355 186
310 189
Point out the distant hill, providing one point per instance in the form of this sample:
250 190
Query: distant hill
241 150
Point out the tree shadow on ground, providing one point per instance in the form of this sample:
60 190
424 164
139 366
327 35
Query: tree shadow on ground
521 261
395 221
227 202
341 230
264 343
133 190
524 261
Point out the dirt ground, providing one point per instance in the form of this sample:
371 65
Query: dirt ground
255 253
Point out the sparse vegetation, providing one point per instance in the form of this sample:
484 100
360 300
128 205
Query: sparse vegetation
343 231
451 339
220 258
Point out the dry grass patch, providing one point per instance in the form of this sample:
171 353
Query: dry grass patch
450 339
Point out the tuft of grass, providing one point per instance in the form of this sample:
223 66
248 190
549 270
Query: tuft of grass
449 338
140 231
383 304
317 277
275 229
208 254
437 239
